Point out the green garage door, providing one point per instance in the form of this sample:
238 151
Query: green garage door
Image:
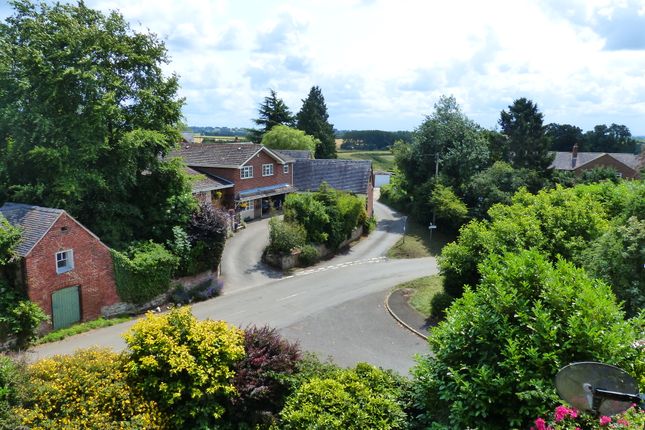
66 307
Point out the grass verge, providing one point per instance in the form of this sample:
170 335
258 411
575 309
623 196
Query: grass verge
422 290
62 333
418 242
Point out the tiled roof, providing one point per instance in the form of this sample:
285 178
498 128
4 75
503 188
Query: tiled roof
345 175
206 182
563 160
293 154
35 222
231 155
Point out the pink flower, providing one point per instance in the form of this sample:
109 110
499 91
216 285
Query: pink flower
561 412
623 422
540 424
604 420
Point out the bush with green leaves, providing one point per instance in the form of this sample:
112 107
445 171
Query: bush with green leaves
13 384
500 346
355 399
186 366
285 236
143 272
558 222
85 390
618 258
308 255
439 304
20 318
328 216
262 378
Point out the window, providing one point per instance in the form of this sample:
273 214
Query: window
64 261
267 170
247 205
285 168
246 172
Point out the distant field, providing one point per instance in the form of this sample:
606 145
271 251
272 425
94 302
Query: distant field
381 160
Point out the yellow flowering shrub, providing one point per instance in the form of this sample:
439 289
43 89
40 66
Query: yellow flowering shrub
185 365
85 390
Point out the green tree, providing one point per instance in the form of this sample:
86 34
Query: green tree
184 365
10 237
528 144
499 348
273 111
283 137
313 119
563 136
86 116
615 138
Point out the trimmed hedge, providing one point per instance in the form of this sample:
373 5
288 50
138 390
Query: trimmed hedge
143 272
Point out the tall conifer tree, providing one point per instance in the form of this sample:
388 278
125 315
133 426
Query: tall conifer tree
313 120
273 111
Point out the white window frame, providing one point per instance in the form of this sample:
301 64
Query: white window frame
285 168
246 172
67 256
267 169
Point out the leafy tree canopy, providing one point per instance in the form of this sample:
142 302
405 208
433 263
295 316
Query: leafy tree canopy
373 139
528 143
615 138
272 111
313 119
86 114
563 136
283 137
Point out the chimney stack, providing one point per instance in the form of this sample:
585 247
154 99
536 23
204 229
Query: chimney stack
574 155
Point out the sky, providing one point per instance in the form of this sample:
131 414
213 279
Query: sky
383 64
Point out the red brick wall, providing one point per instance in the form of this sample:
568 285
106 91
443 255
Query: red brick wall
233 175
92 271
608 161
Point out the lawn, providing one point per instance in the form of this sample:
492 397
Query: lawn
423 290
56 335
419 242
381 160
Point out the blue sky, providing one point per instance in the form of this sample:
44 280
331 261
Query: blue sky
384 63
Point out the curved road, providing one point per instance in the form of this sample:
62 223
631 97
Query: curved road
335 309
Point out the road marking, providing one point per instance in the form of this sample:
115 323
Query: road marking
338 266
288 297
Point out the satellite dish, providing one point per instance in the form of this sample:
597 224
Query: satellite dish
597 388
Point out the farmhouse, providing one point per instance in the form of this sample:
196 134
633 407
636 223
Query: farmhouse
250 178
64 267
627 165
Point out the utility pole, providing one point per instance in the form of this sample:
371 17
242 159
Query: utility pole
433 226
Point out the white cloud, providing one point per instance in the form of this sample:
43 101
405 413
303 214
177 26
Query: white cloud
384 63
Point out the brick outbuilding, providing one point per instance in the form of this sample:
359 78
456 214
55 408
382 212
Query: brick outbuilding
64 267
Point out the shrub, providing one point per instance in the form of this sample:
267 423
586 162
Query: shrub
143 272
184 365
565 418
438 305
618 258
560 222
85 390
369 225
308 255
305 210
500 346
207 230
13 383
262 377
19 318
285 236
360 398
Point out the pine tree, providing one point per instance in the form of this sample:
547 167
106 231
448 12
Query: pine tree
313 120
273 111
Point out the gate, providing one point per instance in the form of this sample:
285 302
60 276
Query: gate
66 307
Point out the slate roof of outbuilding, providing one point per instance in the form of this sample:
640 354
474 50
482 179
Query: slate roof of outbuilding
293 154
207 182
228 155
345 175
563 160
35 222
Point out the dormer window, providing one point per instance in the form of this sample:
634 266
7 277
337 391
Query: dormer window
64 261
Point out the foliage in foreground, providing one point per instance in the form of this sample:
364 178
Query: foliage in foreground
500 346
565 418
86 390
20 318
184 365
355 399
